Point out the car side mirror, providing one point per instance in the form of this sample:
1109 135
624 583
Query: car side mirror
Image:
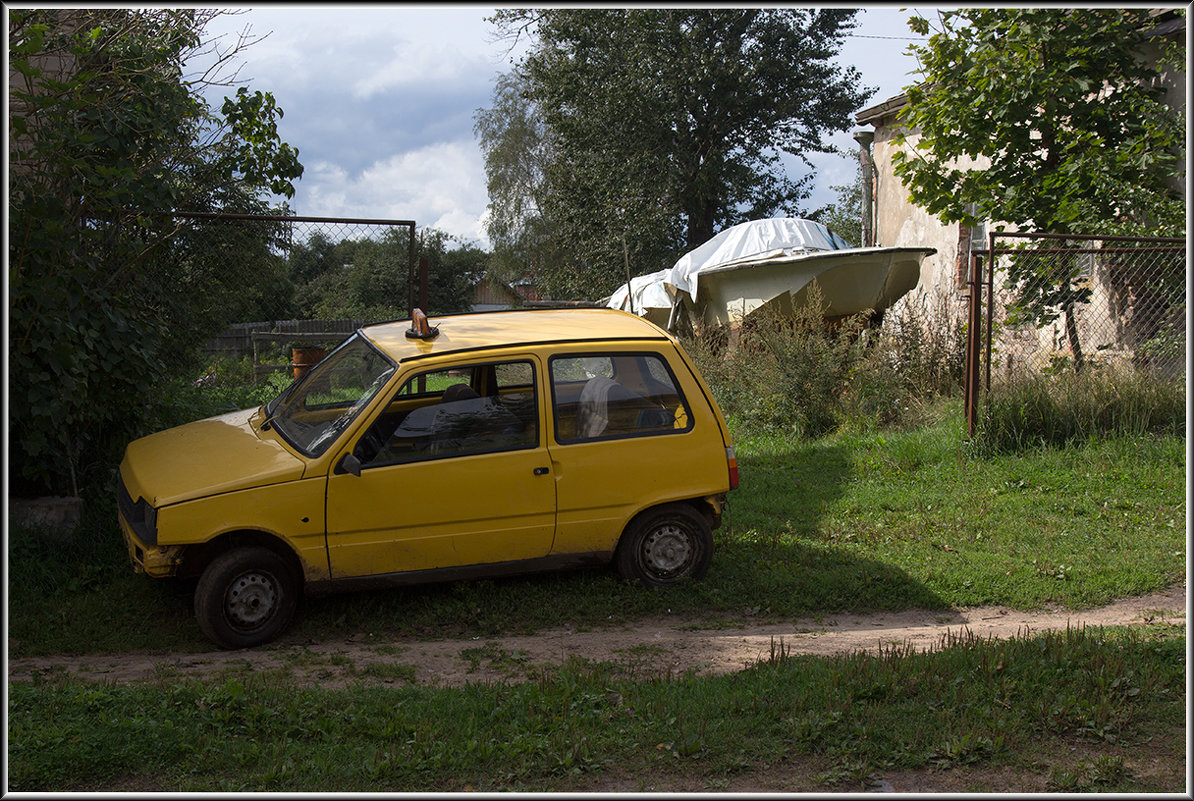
349 464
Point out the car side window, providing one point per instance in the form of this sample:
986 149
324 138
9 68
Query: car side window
455 412
603 396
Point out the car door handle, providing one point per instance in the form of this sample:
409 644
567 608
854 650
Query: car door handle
542 471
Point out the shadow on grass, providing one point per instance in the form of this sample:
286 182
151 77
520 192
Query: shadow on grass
788 492
774 553
770 559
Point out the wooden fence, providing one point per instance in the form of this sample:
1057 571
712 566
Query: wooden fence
237 340
247 339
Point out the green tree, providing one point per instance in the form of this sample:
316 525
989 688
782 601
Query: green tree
1071 117
453 269
844 215
357 278
107 135
517 153
661 126
214 272
370 279
311 259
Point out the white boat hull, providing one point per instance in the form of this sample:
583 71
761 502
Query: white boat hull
772 262
851 281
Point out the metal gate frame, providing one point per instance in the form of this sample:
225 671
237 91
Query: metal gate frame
978 345
230 217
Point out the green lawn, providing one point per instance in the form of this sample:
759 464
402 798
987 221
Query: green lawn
1076 710
850 522
877 521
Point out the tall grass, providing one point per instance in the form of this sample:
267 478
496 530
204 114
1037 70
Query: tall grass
1066 408
924 341
793 374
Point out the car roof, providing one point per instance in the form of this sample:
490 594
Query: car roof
504 329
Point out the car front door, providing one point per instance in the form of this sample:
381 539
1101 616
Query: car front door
454 471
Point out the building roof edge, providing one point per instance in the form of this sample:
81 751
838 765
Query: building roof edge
876 113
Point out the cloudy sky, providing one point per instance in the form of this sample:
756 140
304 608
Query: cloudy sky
379 101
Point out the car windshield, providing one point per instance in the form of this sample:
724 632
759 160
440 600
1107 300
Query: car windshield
314 410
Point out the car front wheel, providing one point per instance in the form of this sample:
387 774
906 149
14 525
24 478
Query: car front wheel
245 598
665 545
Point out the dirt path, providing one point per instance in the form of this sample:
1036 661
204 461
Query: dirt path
648 647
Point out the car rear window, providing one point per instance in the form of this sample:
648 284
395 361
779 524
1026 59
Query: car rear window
615 395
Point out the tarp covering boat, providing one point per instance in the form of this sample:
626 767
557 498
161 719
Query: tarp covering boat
772 262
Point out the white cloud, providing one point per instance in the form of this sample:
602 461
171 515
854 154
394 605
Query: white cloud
379 101
440 186
367 49
420 65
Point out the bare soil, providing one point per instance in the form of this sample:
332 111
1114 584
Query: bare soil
649 647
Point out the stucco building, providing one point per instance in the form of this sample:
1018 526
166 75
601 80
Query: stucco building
893 220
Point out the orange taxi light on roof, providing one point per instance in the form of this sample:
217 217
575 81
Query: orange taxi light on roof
420 328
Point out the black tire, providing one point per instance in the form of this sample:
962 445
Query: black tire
664 546
245 598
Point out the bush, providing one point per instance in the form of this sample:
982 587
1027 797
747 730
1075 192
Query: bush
784 373
226 386
798 374
106 295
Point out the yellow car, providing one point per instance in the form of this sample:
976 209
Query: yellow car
487 444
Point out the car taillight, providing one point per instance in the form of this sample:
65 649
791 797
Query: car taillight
732 462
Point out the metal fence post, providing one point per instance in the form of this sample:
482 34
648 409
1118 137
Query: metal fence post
973 343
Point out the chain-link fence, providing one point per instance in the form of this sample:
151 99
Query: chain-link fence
277 282
261 267
1067 302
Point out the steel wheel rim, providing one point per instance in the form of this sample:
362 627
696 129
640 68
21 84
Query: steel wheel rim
667 550
251 600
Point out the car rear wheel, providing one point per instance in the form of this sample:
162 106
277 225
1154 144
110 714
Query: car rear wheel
245 597
664 546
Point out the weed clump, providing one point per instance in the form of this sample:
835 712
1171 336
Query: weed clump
799 373
1067 408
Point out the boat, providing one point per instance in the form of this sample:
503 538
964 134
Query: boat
772 263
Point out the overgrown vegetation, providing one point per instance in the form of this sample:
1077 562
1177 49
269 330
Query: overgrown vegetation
106 134
1061 408
791 373
836 723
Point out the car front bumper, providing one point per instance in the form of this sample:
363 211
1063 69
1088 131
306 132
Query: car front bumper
154 560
